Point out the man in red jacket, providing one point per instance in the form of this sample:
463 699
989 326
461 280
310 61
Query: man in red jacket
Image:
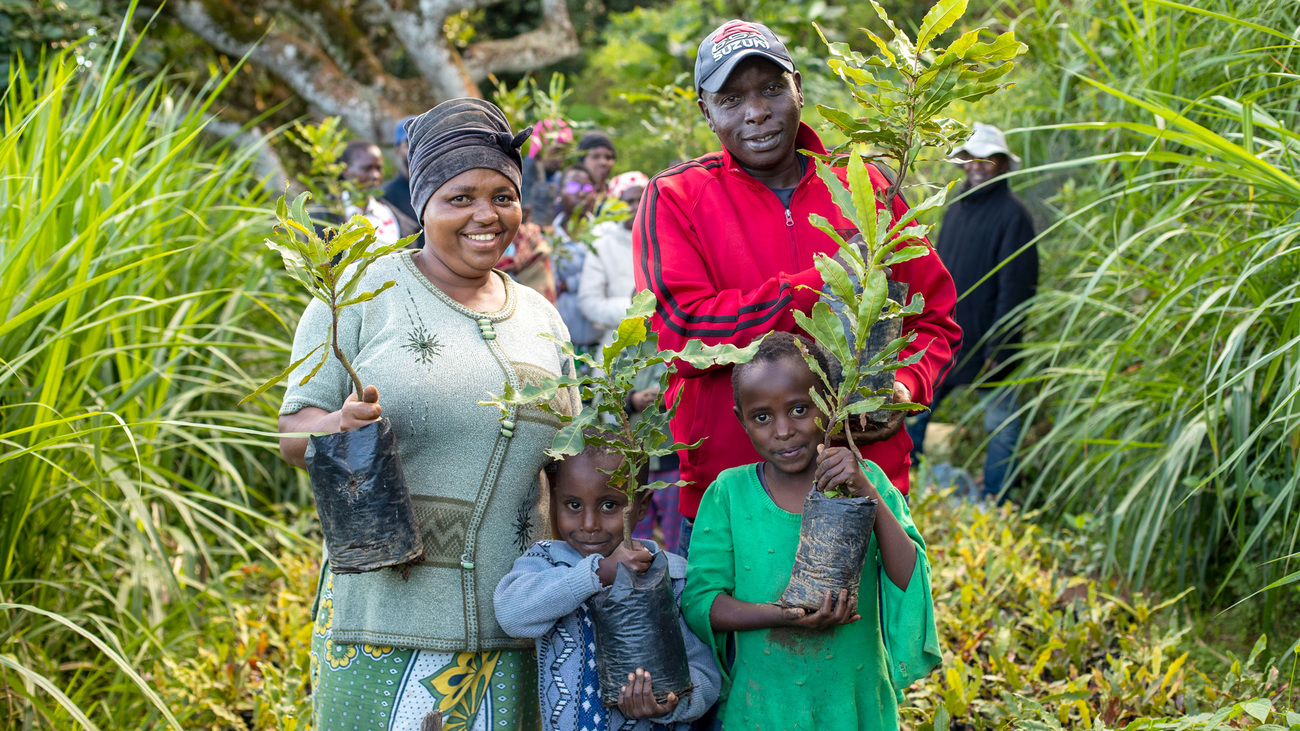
725 244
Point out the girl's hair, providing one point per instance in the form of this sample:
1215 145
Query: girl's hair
779 346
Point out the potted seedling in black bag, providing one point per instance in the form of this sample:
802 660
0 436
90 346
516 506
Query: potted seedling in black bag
356 476
903 89
637 624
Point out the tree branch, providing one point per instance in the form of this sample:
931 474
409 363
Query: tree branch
553 41
311 73
419 30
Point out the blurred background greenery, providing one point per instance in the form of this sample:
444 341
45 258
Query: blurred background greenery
157 558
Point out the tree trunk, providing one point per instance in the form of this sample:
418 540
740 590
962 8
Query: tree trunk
321 50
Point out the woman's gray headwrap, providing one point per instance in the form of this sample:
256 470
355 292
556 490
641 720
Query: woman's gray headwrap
459 135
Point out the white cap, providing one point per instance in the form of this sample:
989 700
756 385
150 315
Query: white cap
987 141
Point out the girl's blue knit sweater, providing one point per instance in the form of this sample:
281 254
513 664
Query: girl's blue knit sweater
543 597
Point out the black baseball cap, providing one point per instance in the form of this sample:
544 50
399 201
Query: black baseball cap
732 41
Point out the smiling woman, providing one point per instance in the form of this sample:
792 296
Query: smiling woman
385 650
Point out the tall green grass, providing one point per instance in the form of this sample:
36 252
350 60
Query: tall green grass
1163 365
137 309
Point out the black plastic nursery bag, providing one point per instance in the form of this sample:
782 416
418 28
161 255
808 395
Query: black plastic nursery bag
361 497
833 540
638 626
881 335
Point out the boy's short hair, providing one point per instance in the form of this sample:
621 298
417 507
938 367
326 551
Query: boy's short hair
591 449
552 468
779 346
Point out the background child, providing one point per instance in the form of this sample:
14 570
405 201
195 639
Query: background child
843 666
544 597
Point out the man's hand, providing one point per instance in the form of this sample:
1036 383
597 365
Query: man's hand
637 558
637 698
831 614
356 414
871 433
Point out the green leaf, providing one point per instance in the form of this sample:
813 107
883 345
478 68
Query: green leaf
323 358
891 350
834 275
568 440
843 200
874 295
1258 708
631 332
907 253
865 406
939 19
863 194
903 406
881 46
1003 48
283 375
643 304
699 355
826 329
367 296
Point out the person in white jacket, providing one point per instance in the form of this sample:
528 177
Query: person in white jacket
608 278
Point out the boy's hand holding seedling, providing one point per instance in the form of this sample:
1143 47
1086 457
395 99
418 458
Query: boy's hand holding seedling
637 698
636 558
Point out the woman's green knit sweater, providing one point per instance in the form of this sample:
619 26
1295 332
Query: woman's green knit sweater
474 485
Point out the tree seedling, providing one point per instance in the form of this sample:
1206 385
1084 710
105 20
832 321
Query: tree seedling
903 89
329 262
606 389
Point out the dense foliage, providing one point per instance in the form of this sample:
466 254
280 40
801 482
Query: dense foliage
147 574
1163 367
1028 643
138 308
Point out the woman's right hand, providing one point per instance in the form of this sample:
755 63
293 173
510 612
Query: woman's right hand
356 413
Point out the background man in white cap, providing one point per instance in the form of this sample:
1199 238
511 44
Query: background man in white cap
987 228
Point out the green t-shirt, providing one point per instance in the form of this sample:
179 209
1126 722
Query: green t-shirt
849 677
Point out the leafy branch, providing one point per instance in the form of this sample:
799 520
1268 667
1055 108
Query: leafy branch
329 263
604 420
903 88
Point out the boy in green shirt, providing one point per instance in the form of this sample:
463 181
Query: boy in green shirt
843 666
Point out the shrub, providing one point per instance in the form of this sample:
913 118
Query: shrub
138 307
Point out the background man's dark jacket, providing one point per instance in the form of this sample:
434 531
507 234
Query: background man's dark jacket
982 229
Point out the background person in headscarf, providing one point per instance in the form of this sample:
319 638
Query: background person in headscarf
598 157
365 169
987 228
386 651
397 191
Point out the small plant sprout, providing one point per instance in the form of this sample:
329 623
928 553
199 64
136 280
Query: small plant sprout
606 389
329 262
903 89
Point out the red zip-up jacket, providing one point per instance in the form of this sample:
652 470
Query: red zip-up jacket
726 260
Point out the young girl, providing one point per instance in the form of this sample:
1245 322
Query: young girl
545 597
843 666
